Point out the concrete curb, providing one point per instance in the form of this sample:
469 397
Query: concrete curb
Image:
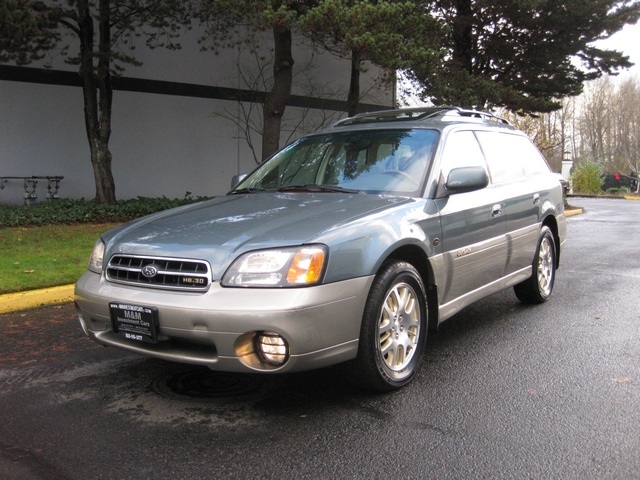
573 211
14 302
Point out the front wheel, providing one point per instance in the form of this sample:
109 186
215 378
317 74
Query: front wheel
393 331
537 289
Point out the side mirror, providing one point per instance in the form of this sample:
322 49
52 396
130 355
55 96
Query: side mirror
466 179
236 179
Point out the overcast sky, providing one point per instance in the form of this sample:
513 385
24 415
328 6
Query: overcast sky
627 41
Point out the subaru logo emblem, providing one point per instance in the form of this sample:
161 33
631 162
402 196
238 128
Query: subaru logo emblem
149 271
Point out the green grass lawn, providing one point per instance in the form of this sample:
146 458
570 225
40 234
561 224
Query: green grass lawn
40 257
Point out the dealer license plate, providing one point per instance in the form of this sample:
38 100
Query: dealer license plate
135 322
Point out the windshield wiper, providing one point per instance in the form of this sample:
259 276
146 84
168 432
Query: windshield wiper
314 187
246 190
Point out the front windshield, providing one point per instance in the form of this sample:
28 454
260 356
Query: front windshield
372 161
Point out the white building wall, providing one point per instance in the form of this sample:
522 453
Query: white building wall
161 144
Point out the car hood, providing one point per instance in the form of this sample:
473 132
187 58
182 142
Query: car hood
219 230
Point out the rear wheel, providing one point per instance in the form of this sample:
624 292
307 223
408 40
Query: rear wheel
538 288
393 331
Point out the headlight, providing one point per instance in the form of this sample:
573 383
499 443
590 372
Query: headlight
97 255
285 267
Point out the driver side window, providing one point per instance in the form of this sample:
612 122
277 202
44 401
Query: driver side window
461 150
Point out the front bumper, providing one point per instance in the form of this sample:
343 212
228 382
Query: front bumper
321 324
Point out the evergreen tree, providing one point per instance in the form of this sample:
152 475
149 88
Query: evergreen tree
390 33
524 55
27 30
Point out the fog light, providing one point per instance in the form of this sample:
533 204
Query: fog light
272 347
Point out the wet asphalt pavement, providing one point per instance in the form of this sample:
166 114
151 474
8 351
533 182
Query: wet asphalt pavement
505 391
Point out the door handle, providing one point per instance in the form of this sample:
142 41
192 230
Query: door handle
496 210
536 198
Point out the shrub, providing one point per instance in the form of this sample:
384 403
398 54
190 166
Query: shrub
86 211
587 177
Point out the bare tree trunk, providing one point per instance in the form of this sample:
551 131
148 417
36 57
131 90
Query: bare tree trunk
278 97
353 99
98 96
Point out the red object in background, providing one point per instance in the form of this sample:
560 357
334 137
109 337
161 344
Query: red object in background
616 176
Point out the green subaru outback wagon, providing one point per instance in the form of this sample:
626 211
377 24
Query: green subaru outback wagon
346 246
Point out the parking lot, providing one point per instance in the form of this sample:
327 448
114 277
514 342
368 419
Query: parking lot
505 391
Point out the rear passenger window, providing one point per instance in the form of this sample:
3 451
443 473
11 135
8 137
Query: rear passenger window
511 157
533 162
503 156
461 150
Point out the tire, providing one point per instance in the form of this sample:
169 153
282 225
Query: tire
538 288
394 329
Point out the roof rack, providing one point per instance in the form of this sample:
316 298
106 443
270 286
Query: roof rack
406 114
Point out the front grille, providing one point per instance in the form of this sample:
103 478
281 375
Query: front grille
159 272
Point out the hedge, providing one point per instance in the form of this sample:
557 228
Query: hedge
68 212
